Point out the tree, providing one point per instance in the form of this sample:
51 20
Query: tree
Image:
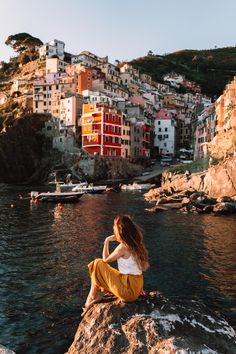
21 42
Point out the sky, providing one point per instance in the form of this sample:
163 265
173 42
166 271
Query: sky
121 29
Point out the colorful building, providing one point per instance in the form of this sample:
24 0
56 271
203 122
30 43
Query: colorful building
165 133
126 139
70 110
101 129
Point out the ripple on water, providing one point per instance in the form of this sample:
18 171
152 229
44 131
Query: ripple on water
44 255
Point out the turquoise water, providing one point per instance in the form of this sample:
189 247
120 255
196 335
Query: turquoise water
44 254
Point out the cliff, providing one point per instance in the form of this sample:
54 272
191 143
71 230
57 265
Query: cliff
23 150
153 324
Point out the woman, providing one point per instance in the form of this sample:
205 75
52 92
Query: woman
126 283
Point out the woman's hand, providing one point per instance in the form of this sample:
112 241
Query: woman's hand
110 238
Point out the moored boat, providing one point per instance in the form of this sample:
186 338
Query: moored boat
137 187
90 189
57 197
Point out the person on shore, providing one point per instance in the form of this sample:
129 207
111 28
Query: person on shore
126 283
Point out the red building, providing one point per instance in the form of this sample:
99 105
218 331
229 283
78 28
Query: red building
101 129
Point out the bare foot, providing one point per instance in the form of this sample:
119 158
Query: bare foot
89 303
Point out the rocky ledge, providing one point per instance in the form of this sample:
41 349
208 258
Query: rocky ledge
4 350
153 324
190 201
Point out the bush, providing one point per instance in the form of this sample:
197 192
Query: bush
193 167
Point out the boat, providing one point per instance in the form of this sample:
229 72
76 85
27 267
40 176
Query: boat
68 187
90 189
56 197
136 186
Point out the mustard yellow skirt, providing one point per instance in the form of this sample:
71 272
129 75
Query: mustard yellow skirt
126 287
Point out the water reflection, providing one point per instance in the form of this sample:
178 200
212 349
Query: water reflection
44 252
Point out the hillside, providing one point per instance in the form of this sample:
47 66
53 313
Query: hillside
212 68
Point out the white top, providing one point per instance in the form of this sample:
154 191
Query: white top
128 266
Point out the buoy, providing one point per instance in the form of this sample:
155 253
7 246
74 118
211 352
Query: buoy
60 206
33 201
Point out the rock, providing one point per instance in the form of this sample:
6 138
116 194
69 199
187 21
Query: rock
153 194
185 201
4 350
156 209
172 205
153 324
225 208
224 199
17 166
217 181
168 200
196 195
208 209
189 191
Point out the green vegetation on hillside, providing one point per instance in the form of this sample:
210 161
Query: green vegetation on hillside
212 69
26 47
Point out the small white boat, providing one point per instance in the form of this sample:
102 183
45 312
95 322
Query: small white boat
90 189
137 187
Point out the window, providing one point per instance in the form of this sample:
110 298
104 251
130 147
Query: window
158 122
159 137
106 139
114 129
166 136
166 129
106 128
159 129
165 144
36 104
106 117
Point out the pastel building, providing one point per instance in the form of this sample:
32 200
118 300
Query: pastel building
205 132
48 92
165 133
71 110
53 48
136 135
88 59
126 138
55 65
101 130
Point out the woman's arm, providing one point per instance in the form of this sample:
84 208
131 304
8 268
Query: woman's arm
105 252
117 253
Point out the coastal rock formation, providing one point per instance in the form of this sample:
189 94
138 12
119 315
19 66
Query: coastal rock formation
4 350
115 168
217 181
21 151
153 324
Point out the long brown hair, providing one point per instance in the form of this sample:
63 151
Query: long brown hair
131 235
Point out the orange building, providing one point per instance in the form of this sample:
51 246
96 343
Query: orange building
83 80
82 77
